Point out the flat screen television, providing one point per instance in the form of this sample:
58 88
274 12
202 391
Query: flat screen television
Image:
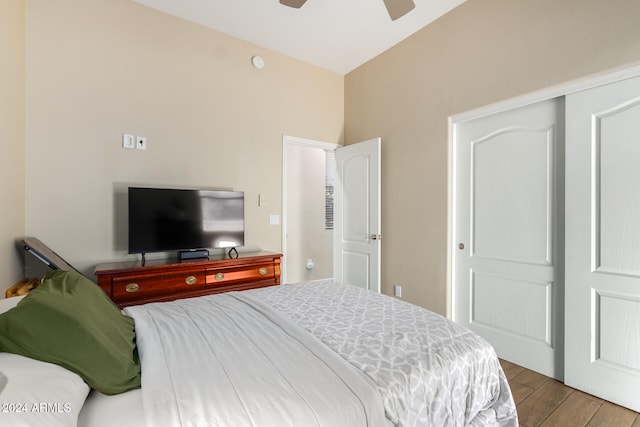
163 219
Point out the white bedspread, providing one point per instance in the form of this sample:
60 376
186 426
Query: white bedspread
223 361
429 370
314 354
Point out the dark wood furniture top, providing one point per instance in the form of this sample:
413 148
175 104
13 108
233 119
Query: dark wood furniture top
131 283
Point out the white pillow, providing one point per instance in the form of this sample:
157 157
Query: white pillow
8 303
38 393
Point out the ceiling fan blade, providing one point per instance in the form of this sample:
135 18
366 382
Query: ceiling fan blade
397 8
293 3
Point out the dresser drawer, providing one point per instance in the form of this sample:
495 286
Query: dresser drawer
128 288
230 276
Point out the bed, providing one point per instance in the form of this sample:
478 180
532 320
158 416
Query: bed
317 353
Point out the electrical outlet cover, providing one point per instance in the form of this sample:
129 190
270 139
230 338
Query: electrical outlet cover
397 291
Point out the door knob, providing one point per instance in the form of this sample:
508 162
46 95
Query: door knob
376 237
461 246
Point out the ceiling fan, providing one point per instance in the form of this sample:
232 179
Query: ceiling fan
396 8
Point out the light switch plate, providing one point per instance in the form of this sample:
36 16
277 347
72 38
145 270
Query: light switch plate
274 219
128 141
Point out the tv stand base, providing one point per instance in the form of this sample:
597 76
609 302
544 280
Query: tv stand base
193 254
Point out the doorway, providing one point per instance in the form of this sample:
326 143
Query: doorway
307 231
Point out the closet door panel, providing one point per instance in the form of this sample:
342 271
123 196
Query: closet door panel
602 353
508 232
616 134
512 169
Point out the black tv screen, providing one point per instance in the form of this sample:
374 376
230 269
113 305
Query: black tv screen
162 219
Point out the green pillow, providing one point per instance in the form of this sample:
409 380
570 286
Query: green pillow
68 320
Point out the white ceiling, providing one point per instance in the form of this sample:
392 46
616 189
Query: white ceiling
338 35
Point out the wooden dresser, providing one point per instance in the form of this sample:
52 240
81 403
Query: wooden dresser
131 283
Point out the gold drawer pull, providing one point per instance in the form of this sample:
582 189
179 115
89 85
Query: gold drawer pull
132 287
219 276
263 271
190 280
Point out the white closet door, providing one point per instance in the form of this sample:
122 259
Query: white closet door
603 242
507 275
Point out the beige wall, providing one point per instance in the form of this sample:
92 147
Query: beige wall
12 131
97 69
482 52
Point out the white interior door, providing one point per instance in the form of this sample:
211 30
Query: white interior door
603 242
357 215
507 254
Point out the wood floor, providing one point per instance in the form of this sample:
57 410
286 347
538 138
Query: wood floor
543 401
